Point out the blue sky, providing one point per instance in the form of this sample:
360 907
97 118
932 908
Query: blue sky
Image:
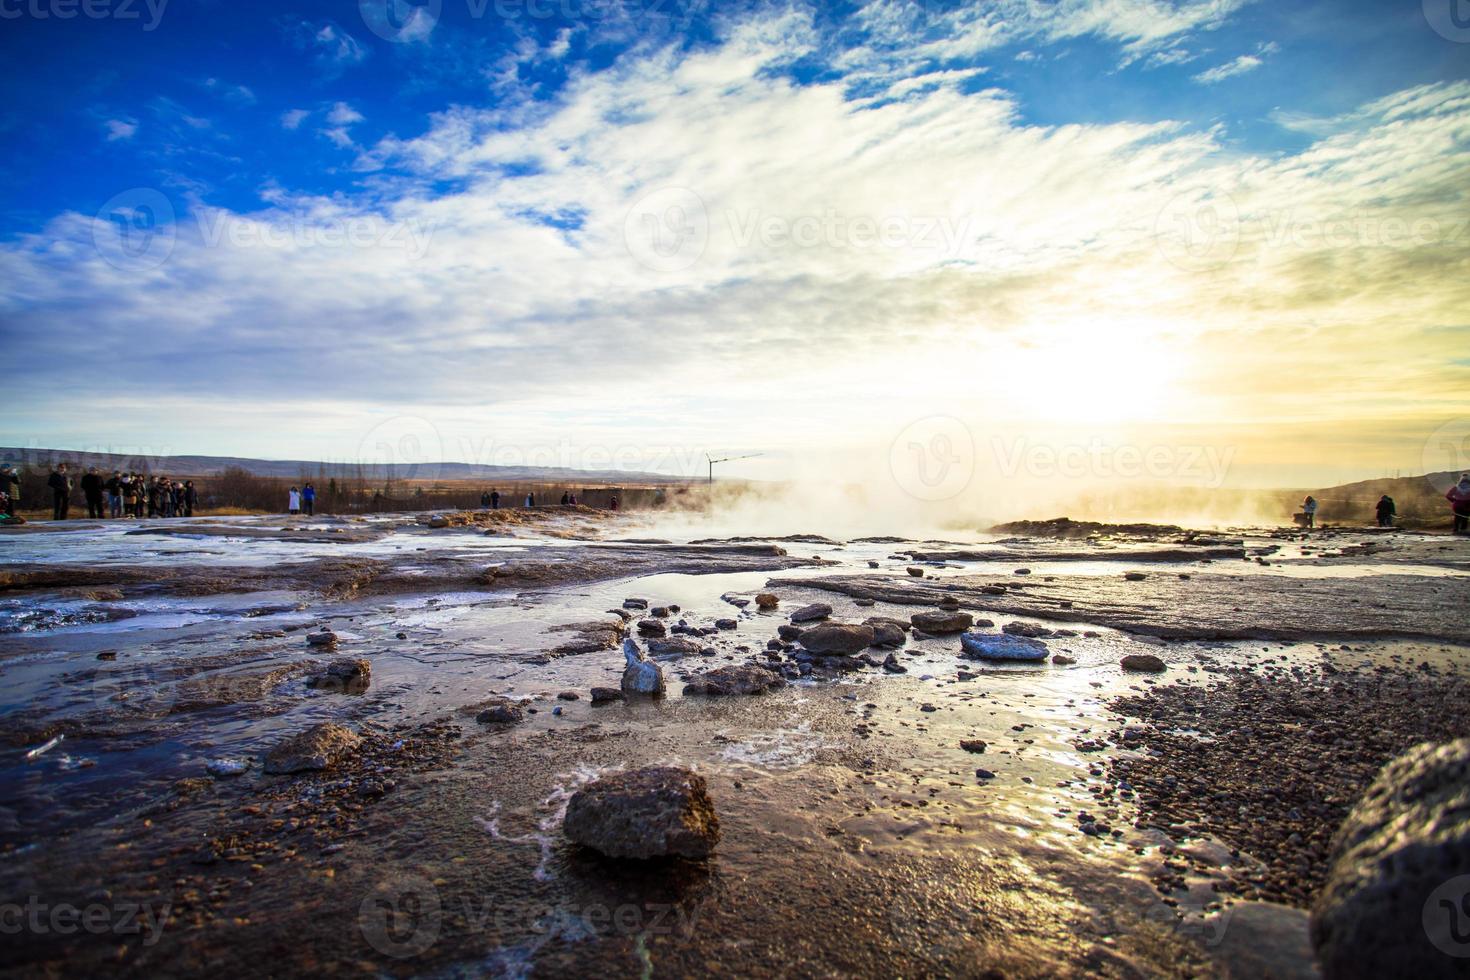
368 212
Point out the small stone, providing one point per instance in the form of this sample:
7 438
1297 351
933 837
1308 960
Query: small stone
646 813
1145 662
811 613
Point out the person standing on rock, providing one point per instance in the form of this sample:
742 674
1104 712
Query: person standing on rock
494 499
531 500
566 498
308 500
484 501
60 485
1386 511
113 486
92 487
10 486
1459 498
1309 510
293 501
191 498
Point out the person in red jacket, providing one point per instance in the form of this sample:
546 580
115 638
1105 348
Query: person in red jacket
1459 498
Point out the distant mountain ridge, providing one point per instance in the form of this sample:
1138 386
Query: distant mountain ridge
191 466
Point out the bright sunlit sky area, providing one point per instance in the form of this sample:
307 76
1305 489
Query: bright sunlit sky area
574 232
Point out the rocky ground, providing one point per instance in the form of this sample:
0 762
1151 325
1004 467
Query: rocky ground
1269 761
1153 796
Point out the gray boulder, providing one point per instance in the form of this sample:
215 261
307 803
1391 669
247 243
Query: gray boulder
735 679
660 811
345 675
838 638
676 646
319 747
641 675
888 635
1397 897
941 621
499 711
1001 646
1144 662
812 613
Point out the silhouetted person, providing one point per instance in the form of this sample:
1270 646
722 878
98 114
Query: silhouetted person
92 491
530 500
191 498
60 485
484 501
10 486
113 486
1309 510
1386 511
1459 498
494 499
566 498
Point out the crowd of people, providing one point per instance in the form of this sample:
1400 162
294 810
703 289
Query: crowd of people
116 495
490 500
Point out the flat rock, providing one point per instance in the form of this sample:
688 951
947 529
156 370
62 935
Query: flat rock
660 811
767 600
499 711
837 638
942 621
811 613
602 695
735 679
676 646
1144 662
319 747
348 675
1002 646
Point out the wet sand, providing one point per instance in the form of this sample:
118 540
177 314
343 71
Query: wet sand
858 837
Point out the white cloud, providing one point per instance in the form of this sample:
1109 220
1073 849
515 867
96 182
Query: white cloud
343 114
1238 66
293 118
121 129
788 266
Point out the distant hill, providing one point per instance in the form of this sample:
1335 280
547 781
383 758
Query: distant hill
1419 497
202 466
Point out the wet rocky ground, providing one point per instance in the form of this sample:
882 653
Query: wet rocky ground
935 816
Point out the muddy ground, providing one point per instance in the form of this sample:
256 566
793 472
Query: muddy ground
1111 826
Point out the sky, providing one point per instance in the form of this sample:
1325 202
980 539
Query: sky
1205 242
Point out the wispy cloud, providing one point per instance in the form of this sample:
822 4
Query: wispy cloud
1238 66
333 49
121 129
293 118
